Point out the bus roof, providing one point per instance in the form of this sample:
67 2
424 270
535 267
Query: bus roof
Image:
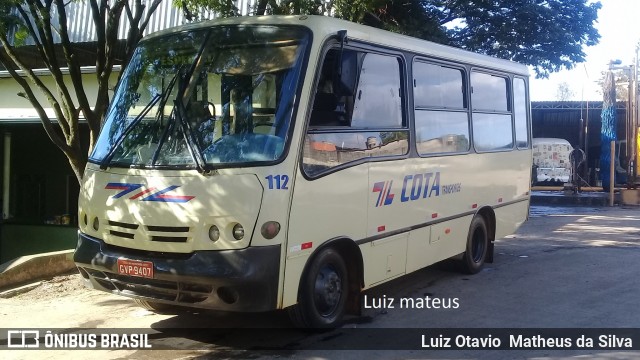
325 26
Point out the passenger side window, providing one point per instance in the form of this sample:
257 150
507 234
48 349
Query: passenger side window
488 92
441 116
520 113
357 111
438 86
492 124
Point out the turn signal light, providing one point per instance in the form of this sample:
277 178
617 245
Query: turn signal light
270 229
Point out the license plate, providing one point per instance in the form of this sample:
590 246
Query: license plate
135 268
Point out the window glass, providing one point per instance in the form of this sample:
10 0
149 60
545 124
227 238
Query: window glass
488 92
356 92
437 86
216 96
492 132
520 112
377 102
441 131
324 151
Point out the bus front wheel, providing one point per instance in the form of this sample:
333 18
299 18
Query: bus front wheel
159 308
475 254
323 292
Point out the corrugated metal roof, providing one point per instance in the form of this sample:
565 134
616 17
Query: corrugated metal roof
81 28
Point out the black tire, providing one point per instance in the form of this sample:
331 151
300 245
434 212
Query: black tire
323 292
159 308
475 255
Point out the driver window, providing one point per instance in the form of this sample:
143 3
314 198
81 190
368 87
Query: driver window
377 101
357 112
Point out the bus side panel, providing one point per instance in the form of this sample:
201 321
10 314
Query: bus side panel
384 259
330 207
277 182
419 253
434 243
406 193
510 218
449 238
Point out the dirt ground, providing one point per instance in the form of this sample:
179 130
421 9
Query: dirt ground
64 303
59 286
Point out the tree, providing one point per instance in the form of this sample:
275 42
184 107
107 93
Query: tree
564 92
44 22
548 35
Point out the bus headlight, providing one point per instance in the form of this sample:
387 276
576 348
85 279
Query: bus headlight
214 233
238 232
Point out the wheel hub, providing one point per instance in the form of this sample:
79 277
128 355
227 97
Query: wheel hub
328 290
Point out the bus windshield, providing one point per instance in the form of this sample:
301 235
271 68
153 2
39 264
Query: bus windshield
205 98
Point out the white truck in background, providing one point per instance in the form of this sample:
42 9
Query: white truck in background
551 161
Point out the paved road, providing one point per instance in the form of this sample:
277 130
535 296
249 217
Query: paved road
565 268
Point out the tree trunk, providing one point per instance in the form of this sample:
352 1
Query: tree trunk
36 17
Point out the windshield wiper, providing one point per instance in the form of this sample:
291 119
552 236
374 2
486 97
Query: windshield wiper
184 91
107 159
187 133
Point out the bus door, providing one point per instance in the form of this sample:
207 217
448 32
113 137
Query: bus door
330 194
384 139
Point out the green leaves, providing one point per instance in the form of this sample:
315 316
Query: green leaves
8 18
548 35
193 8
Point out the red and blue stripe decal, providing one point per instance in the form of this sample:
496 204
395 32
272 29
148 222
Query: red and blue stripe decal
384 189
126 188
149 194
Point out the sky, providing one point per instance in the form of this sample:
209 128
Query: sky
619 27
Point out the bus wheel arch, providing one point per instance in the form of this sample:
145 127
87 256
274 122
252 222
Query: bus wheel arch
490 221
334 259
479 244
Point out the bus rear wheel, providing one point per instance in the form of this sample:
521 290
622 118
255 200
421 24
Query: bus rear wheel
477 248
323 292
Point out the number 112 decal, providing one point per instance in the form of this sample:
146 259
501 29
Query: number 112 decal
279 182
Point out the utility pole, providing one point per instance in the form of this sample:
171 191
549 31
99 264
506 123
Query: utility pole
635 113
631 119
631 128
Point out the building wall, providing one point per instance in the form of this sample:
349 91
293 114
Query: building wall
14 108
18 239
43 189
42 182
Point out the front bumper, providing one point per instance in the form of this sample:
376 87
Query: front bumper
231 280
